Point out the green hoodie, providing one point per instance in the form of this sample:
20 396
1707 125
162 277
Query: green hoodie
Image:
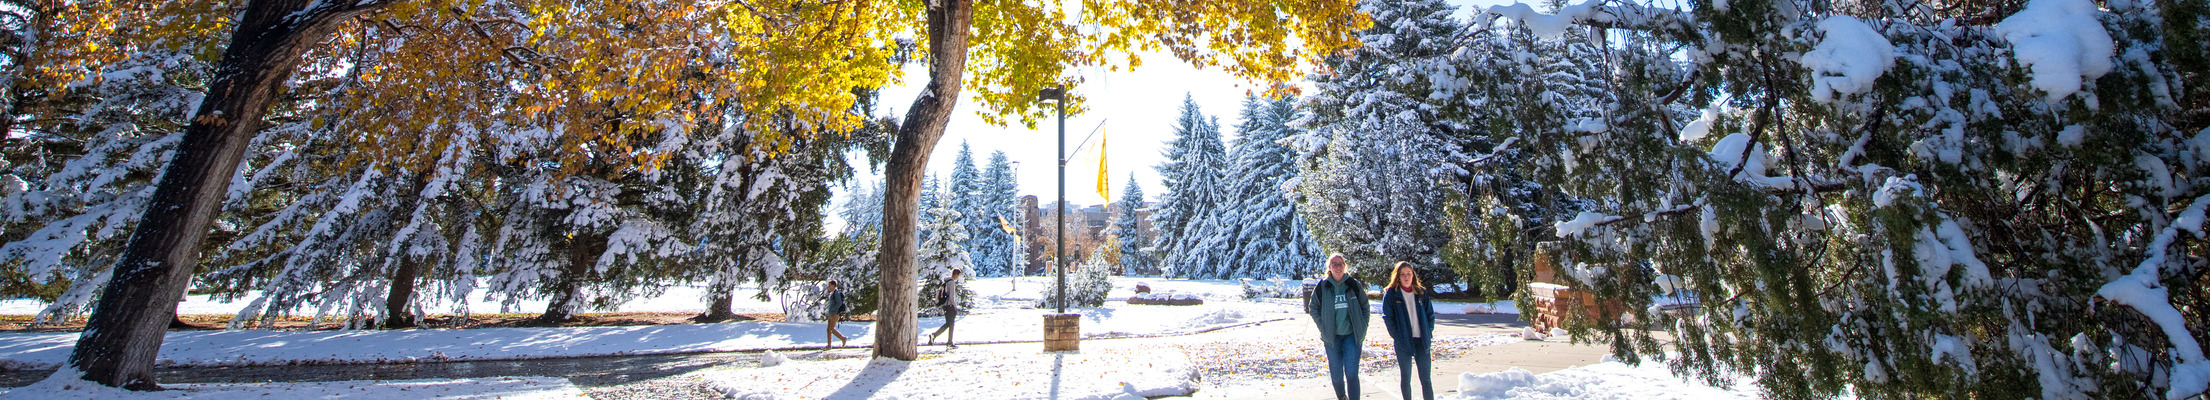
1348 320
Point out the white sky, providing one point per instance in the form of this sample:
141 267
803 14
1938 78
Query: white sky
1139 108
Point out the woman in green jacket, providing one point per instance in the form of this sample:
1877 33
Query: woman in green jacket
1338 305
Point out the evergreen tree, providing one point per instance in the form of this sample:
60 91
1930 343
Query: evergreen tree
1375 167
1135 244
995 252
941 253
1878 198
1195 162
1267 237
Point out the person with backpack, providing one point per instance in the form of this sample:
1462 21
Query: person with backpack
947 299
1409 313
1338 305
836 314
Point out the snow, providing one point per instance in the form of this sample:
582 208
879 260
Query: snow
1582 222
1001 315
2143 290
1701 127
68 386
1894 188
1608 380
1003 374
2062 42
1848 60
1548 26
1729 153
2072 136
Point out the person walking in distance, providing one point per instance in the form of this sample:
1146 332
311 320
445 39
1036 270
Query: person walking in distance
836 314
1409 313
1338 305
947 299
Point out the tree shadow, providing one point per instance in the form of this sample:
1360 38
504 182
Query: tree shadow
871 380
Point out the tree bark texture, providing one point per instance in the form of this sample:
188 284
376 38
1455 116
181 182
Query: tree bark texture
396 315
897 325
721 308
130 319
583 252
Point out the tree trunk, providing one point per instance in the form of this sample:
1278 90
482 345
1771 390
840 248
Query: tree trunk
896 325
134 310
396 315
721 309
583 252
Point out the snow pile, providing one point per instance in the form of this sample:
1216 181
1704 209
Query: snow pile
1848 60
1222 317
1550 26
1494 384
2062 42
1167 296
67 386
1608 380
1098 375
1736 150
772 358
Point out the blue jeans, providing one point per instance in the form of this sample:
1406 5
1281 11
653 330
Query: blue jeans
1342 353
1411 351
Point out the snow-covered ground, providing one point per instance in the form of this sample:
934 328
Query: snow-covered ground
1101 375
506 388
1000 293
1005 314
1607 380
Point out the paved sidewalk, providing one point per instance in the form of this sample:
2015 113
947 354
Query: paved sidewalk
1381 383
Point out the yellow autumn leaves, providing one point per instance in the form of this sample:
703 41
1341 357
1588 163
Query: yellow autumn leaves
598 82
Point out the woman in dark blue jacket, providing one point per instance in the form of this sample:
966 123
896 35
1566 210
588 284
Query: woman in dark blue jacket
1409 313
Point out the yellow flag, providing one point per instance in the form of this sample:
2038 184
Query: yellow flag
1007 225
1092 152
1101 179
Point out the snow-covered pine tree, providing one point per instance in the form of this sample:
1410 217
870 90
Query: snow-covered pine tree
1379 157
1496 203
995 252
762 211
1268 235
1136 257
1891 200
78 167
863 211
1195 162
941 252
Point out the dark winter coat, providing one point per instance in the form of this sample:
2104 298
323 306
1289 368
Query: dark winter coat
836 302
1400 325
1324 316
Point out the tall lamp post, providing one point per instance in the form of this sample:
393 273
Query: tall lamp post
1059 257
1062 331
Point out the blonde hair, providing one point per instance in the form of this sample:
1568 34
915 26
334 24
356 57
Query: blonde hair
1417 286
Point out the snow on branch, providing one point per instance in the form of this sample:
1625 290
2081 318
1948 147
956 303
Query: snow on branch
2062 41
2142 290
